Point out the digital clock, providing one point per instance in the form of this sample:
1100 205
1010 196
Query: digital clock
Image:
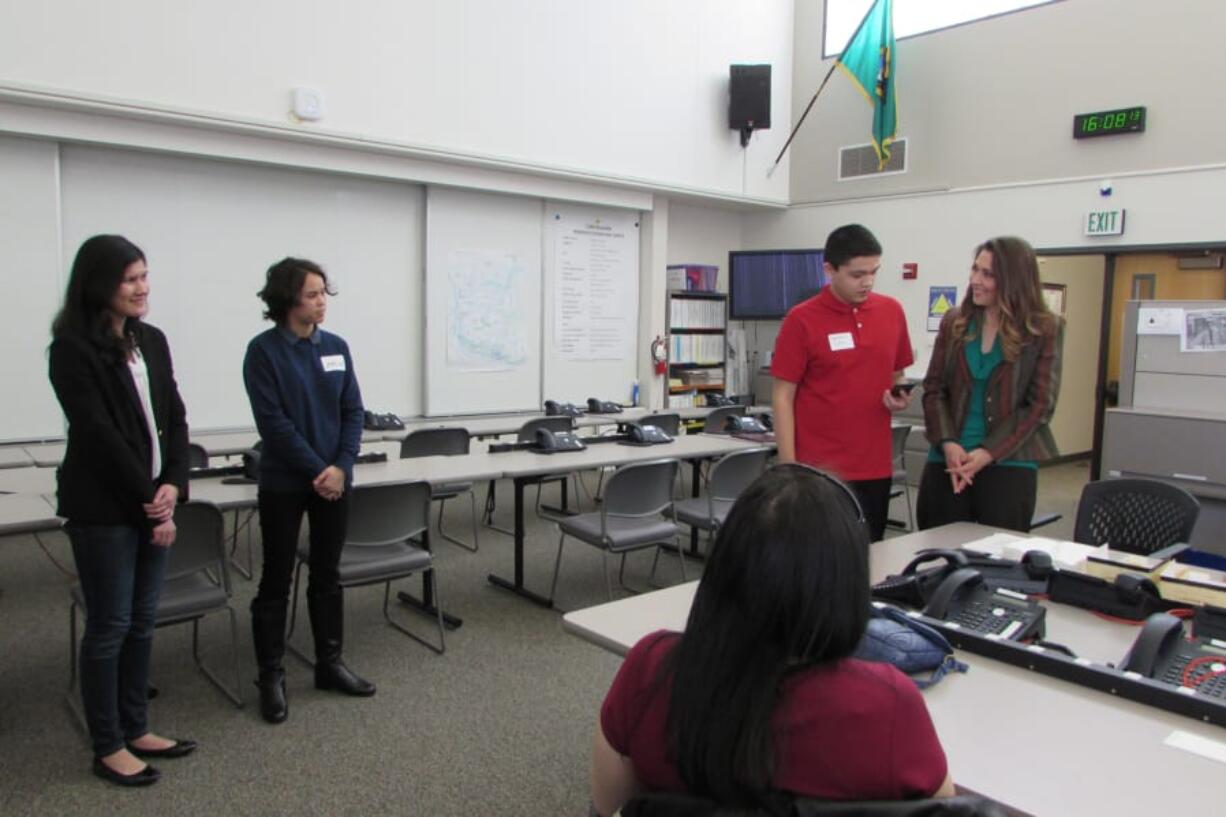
1109 123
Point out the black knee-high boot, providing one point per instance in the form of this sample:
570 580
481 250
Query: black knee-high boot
268 633
328 626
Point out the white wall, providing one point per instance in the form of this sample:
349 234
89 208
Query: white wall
633 91
703 235
994 100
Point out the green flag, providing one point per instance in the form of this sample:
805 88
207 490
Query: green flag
869 60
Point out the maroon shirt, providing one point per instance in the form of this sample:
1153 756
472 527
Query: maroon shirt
851 730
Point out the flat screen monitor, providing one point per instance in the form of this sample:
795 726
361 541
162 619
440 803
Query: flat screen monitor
764 284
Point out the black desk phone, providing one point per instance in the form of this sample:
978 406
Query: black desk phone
913 587
644 434
965 600
549 442
744 423
371 421
1163 653
595 406
555 409
718 400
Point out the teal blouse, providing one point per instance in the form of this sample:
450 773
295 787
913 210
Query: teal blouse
975 427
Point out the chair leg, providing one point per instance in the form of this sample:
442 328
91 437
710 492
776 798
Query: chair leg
247 571
906 486
557 567
681 558
235 695
654 561
621 573
443 533
438 609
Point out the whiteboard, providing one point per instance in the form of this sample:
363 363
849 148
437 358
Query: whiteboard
483 302
591 302
33 278
210 229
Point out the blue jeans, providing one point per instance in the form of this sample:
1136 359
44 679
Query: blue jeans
120 571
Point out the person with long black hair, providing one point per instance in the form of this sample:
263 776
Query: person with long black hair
123 472
759 695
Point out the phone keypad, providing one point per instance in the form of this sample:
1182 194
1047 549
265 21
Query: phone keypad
1214 676
990 618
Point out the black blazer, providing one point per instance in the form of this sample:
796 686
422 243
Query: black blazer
104 478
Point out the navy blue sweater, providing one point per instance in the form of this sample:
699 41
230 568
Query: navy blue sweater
307 406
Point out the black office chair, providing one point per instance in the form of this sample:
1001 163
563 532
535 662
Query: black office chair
1136 515
672 804
446 442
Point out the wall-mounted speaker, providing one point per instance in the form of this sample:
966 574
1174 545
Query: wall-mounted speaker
749 97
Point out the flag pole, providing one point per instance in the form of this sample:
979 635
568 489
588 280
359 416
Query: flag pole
809 107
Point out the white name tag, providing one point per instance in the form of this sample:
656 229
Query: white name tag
840 341
333 363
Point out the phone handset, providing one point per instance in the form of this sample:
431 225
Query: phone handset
1159 636
595 406
954 559
957 584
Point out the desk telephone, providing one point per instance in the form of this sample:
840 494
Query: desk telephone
381 422
595 406
913 587
640 434
550 442
718 400
1163 653
555 409
744 424
964 599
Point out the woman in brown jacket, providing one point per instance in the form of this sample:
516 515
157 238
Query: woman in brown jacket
990 393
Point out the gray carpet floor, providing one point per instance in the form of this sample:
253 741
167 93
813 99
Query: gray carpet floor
500 725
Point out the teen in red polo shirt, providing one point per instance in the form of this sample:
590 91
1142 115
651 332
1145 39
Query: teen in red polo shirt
835 359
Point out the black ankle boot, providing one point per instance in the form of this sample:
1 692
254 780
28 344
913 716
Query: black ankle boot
328 625
273 706
268 635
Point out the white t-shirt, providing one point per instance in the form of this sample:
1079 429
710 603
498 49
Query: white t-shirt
140 373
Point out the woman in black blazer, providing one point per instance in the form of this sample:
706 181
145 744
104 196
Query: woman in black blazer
124 470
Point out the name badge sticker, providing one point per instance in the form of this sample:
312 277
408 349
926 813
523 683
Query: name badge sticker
840 341
333 363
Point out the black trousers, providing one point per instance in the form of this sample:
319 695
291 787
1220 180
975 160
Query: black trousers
280 521
1001 495
874 496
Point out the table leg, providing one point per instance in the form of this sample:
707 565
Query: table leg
517 586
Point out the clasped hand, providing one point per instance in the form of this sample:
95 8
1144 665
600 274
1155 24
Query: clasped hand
330 484
161 510
962 466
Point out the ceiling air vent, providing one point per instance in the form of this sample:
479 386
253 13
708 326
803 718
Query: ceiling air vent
859 161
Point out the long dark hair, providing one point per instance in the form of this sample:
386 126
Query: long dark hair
1023 312
97 272
786 587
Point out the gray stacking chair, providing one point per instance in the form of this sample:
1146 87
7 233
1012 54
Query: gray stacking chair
628 519
898 480
197 584
382 521
1137 515
714 422
197 456
730 475
447 442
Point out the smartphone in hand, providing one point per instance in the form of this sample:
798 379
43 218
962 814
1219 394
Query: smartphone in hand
904 387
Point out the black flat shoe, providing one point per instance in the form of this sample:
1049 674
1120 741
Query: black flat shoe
145 777
177 749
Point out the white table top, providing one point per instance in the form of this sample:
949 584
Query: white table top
14 456
1036 743
26 513
28 480
686 446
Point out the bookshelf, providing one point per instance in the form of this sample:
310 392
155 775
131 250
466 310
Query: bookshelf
697 352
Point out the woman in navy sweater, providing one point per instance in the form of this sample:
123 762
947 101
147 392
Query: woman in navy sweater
124 470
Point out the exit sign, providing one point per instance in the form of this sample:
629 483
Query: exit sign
1105 222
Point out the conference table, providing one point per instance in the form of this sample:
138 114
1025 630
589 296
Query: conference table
1035 743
